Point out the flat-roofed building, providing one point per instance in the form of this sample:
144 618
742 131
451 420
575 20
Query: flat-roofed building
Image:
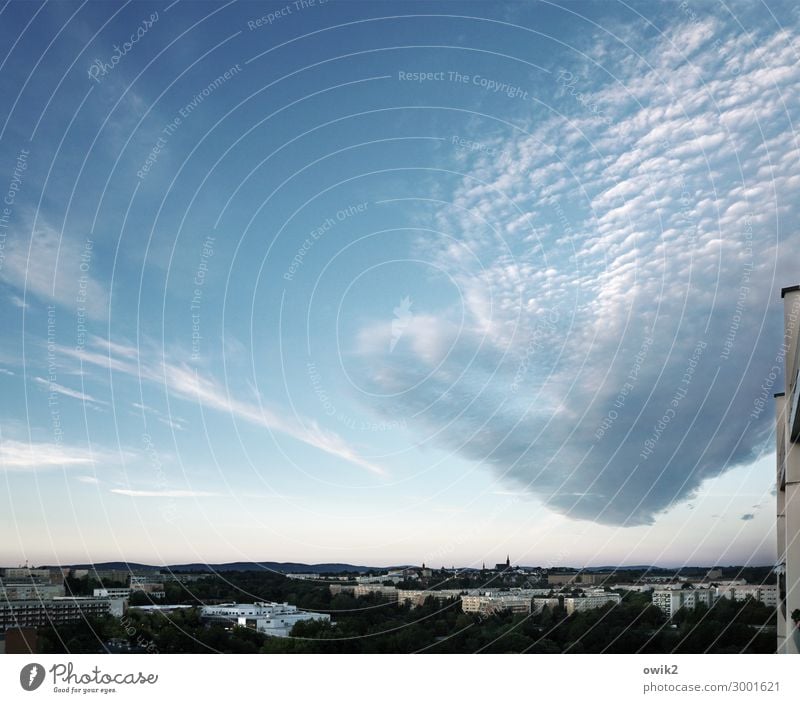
576 604
492 603
763 593
415 598
368 589
635 587
273 619
539 604
29 590
124 593
39 613
580 578
151 584
670 601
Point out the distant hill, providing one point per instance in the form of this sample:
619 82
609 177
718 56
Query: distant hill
107 566
281 567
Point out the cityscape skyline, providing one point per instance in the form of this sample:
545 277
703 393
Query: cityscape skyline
339 284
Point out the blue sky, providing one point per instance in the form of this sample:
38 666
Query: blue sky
391 283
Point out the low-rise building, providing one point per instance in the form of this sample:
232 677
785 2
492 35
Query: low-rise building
636 587
273 619
151 584
123 593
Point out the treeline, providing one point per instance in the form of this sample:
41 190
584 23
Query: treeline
372 625
179 632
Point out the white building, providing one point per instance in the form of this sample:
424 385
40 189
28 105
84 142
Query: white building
366 589
636 587
274 619
766 594
29 590
124 593
671 601
417 597
493 602
539 604
576 604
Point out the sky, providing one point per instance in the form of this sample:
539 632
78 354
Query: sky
392 283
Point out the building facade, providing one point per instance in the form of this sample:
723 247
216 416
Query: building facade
274 619
367 589
670 601
766 594
583 578
124 593
573 605
787 408
29 590
40 613
415 598
492 603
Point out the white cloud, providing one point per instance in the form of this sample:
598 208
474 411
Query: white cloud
649 227
46 263
24 456
69 392
163 494
187 383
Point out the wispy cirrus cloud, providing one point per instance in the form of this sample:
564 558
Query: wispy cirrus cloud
163 494
46 263
69 392
37 456
187 383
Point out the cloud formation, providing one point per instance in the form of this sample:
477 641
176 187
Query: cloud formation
162 494
618 270
36 456
54 267
187 383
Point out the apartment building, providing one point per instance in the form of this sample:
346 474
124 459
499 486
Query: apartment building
39 613
417 597
577 604
787 408
490 603
670 601
764 593
366 589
